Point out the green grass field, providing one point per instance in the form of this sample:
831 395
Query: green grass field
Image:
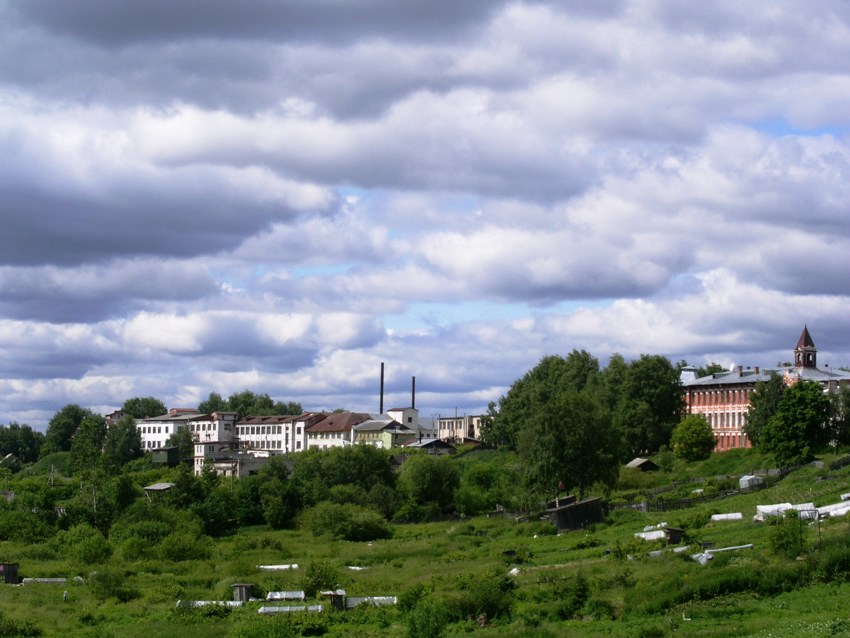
454 578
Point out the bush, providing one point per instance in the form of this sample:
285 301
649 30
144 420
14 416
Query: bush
9 627
786 536
180 546
571 594
428 619
489 594
110 583
319 575
346 522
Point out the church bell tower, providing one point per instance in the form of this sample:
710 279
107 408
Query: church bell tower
805 354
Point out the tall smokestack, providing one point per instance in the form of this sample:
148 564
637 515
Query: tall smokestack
381 410
413 394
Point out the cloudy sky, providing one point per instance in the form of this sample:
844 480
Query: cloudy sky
279 195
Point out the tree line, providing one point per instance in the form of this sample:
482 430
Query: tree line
574 422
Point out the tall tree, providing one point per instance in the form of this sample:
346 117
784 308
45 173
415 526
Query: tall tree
840 427
20 440
570 444
649 405
144 407
247 403
183 441
87 444
214 403
800 426
552 375
764 402
62 427
123 443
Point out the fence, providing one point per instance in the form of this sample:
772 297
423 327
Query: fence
649 504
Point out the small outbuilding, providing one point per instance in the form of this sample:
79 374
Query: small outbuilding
748 482
644 465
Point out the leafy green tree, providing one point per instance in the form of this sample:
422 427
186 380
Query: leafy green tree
279 496
764 402
87 444
183 441
800 425
144 407
289 407
22 441
649 405
62 427
570 443
345 522
214 403
613 378
553 374
247 403
693 439
363 466
123 443
429 481
711 368
840 426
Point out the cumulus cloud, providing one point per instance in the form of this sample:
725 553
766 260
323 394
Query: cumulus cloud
281 195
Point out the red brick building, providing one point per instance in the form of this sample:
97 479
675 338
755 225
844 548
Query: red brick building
724 397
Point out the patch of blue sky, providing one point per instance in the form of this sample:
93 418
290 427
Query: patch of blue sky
780 127
419 316
320 270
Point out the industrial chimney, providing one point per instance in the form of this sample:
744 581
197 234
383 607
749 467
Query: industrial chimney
381 409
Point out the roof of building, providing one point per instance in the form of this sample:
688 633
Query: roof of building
266 419
180 416
750 376
805 340
339 422
428 443
380 424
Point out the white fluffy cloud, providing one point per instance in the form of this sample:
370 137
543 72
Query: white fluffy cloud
283 196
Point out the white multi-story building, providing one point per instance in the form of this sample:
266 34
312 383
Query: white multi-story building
276 433
458 428
155 431
335 430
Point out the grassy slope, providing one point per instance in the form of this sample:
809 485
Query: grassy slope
440 556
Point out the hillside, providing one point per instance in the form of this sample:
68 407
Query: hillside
479 576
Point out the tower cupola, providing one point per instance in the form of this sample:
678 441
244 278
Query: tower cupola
805 354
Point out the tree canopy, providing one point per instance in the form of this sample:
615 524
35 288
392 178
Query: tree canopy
644 397
247 403
764 402
143 407
62 427
569 443
800 425
693 439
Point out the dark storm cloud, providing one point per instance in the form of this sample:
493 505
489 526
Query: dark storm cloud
72 207
92 293
118 22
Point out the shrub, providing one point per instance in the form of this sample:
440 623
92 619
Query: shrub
600 609
317 576
786 536
410 597
346 522
181 546
9 627
489 594
571 594
428 619
110 583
